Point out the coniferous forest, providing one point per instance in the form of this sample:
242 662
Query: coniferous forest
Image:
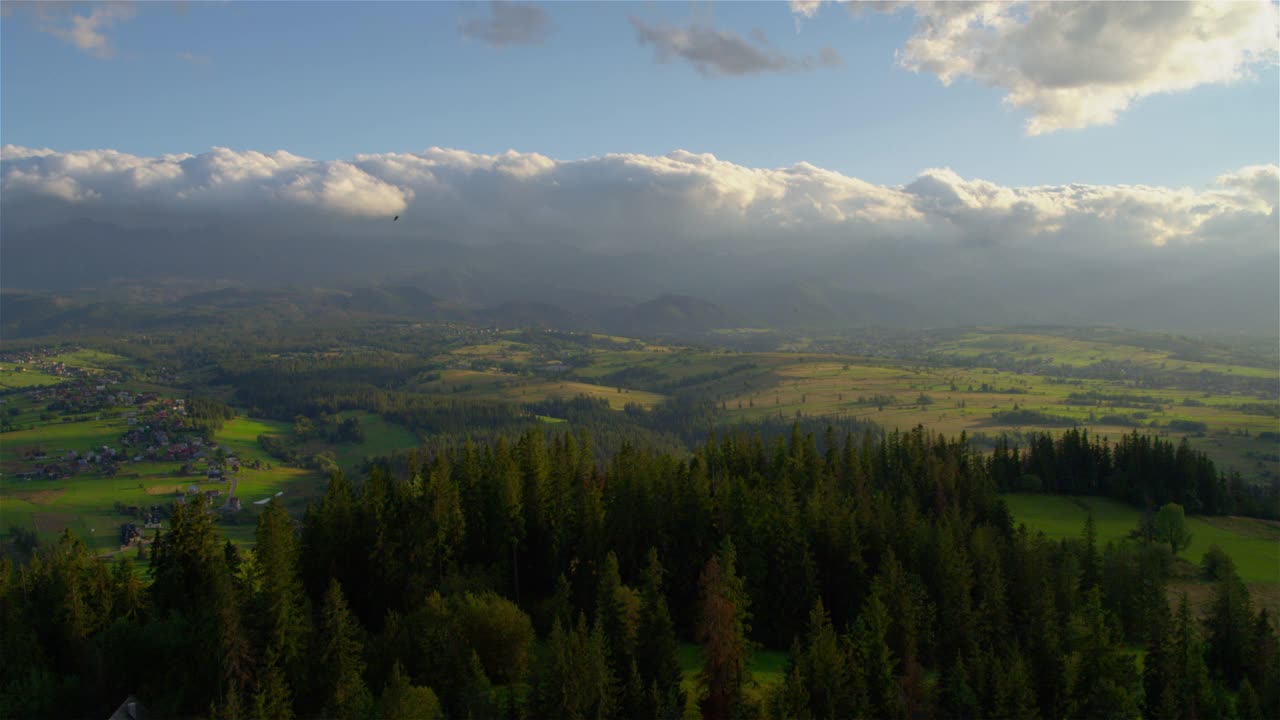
527 579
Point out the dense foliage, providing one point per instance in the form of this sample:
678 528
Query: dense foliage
1141 470
526 580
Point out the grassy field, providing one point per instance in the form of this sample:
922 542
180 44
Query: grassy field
381 438
952 400
89 358
943 397
492 385
1080 351
23 376
57 438
85 502
767 668
1253 544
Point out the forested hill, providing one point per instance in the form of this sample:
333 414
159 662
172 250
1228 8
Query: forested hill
525 580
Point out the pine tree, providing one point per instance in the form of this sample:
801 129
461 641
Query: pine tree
1090 576
574 680
340 667
1247 704
1160 671
1229 631
958 701
723 632
611 613
281 605
790 700
825 669
130 599
1100 678
1195 696
876 662
273 699
656 645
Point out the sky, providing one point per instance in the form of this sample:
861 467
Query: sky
1169 95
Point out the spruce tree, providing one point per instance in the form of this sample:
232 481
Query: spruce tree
656 647
722 630
340 665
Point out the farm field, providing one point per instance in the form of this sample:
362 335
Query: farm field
55 437
13 376
954 400
1081 351
1254 545
947 398
490 385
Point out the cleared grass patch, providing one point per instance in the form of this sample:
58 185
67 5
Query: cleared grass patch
1251 543
381 439
766 669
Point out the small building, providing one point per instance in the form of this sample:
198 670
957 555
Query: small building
130 709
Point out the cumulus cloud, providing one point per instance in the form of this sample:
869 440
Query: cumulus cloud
83 30
222 182
805 8
1075 65
509 23
631 201
714 52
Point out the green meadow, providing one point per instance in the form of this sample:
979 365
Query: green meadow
381 438
13 376
766 669
56 438
1254 545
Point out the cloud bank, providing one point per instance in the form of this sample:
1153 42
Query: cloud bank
638 202
1073 65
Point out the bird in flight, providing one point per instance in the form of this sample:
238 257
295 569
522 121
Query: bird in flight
395 218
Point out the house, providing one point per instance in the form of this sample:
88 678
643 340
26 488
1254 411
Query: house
128 533
130 709
233 504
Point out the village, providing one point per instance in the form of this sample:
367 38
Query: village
155 429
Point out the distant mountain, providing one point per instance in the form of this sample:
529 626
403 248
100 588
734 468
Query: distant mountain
403 300
535 314
669 315
551 283
820 305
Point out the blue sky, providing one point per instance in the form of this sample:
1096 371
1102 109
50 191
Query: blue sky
330 80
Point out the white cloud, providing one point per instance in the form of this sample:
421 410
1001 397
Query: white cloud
805 8
1079 64
85 31
715 52
630 201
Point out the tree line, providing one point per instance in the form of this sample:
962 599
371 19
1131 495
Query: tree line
527 579
1142 470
